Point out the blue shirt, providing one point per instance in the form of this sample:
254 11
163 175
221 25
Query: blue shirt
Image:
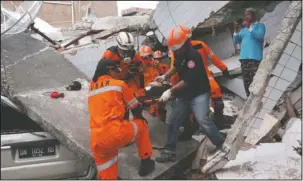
251 41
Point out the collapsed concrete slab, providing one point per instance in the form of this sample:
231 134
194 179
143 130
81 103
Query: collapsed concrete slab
34 70
269 160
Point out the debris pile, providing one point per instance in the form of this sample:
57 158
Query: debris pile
134 11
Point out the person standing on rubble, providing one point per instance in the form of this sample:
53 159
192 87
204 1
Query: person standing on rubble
215 90
128 60
251 39
192 92
110 129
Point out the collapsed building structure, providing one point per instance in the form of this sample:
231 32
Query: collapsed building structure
30 74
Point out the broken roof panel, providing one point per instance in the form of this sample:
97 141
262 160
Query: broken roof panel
169 14
110 22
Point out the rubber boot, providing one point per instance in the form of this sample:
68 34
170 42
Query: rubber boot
146 167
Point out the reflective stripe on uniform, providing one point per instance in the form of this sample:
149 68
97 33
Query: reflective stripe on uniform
133 103
210 55
104 89
135 130
106 165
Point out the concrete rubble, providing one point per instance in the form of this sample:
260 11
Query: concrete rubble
268 160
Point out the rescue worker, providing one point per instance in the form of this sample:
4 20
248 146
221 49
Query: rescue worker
128 60
151 71
192 92
162 67
149 65
153 42
215 90
110 130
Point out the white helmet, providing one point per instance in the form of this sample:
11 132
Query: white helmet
125 41
150 33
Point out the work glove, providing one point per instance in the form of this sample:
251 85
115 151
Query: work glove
160 78
165 96
226 73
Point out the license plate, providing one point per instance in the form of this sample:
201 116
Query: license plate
37 151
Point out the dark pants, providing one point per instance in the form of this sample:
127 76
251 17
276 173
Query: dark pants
249 68
181 110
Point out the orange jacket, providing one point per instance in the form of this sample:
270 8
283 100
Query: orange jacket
107 101
208 54
150 71
135 83
112 54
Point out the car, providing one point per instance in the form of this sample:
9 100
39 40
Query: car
30 152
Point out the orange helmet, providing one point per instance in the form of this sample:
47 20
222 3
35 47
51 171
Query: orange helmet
157 54
186 30
176 38
145 51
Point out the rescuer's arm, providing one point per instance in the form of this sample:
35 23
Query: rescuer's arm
178 87
170 72
132 103
214 58
167 75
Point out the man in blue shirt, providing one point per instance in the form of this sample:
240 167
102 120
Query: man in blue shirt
251 38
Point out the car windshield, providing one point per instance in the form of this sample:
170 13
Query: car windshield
13 121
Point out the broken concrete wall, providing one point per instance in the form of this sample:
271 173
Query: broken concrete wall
273 19
221 44
282 76
169 14
268 160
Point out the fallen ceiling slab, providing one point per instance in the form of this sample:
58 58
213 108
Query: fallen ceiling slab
169 14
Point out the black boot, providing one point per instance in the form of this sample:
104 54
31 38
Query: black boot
187 133
146 167
185 136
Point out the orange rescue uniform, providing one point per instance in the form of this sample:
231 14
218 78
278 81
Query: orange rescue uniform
107 101
135 83
150 71
206 54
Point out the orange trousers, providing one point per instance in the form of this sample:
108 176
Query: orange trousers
106 141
